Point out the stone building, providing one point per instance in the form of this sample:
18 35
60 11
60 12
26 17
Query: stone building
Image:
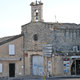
51 48
11 56
43 48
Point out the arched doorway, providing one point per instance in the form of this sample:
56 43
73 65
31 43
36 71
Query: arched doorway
75 68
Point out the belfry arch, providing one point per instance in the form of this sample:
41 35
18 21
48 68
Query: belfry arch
36 11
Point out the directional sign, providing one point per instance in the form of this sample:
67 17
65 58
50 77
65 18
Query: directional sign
47 45
47 51
47 48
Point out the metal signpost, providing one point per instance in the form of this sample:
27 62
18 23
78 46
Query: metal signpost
47 52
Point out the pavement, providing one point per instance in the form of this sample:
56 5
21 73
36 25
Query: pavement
42 78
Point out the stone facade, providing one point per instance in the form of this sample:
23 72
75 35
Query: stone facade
30 57
65 40
62 36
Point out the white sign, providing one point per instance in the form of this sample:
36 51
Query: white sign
47 51
75 56
50 48
47 48
47 45
49 65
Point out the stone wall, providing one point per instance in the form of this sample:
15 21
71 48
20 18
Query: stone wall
62 36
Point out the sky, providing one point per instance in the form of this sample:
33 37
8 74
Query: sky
15 13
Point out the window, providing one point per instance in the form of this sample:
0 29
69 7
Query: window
11 49
36 16
35 37
0 68
75 48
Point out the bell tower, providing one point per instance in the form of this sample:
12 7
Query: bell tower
36 11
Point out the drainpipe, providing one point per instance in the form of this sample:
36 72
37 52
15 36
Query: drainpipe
24 54
24 62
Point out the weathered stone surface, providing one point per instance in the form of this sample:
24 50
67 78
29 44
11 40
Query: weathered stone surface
62 36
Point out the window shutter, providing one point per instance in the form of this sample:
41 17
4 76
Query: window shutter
0 68
11 49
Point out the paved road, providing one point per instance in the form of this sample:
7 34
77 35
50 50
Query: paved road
47 79
39 78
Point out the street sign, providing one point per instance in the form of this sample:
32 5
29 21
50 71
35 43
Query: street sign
47 45
47 55
75 56
47 51
47 48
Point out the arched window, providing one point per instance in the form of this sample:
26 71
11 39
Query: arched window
35 37
36 15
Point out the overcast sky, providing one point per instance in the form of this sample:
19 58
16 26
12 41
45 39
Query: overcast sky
14 13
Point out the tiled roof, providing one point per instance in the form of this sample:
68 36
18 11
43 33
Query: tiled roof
9 38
